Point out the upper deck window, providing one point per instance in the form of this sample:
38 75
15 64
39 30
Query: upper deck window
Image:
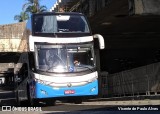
60 24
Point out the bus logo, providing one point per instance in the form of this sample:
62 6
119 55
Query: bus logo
69 85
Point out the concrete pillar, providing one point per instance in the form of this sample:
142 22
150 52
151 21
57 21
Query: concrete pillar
131 4
138 6
97 54
92 7
103 3
99 4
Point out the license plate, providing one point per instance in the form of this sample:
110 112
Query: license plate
69 92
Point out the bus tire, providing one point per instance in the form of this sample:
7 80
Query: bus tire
18 99
29 99
50 102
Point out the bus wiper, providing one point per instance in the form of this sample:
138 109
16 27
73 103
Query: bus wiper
85 67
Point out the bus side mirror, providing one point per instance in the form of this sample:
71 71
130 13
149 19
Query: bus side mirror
101 40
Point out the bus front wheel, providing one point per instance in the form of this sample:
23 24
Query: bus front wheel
30 100
50 102
18 99
78 101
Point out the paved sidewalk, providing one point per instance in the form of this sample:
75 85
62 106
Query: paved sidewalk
122 102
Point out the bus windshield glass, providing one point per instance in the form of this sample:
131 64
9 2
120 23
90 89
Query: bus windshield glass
60 24
64 58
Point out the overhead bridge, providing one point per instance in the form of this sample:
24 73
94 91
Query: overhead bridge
131 29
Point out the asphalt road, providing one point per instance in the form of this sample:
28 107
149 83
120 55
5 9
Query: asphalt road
90 107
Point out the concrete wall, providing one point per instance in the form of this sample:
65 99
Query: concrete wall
12 37
147 6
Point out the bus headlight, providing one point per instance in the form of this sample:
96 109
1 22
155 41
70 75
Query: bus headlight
44 92
93 89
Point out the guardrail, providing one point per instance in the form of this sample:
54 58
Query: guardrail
143 80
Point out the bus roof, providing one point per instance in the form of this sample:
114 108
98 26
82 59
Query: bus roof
59 13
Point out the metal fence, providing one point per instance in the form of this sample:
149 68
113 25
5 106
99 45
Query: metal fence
139 81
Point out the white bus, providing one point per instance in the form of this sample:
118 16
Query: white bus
61 58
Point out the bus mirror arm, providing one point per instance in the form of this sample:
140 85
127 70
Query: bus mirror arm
101 40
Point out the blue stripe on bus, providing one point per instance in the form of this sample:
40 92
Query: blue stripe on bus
43 91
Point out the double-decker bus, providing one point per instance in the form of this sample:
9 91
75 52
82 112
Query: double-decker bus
61 57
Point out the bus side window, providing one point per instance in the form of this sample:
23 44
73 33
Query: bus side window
38 24
31 61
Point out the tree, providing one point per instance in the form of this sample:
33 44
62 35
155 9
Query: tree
33 6
22 17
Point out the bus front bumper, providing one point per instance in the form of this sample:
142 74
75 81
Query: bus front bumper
46 91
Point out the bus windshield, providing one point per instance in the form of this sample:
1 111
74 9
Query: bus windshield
60 23
64 58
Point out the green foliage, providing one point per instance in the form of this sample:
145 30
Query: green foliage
31 6
22 17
